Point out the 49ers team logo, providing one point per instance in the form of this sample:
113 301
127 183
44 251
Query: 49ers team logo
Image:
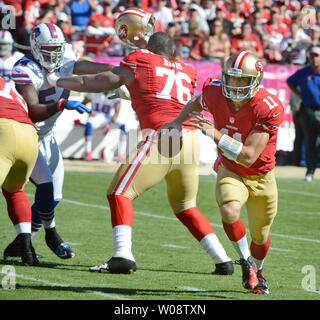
123 32
259 66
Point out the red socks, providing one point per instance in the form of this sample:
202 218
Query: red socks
196 222
122 214
19 209
121 210
235 231
259 252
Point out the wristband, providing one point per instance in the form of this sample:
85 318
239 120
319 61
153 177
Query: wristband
59 104
55 107
230 147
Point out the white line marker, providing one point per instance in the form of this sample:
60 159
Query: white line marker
192 289
72 288
309 194
305 212
283 250
175 219
174 246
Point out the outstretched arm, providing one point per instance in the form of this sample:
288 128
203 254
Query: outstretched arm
104 81
193 105
40 111
83 66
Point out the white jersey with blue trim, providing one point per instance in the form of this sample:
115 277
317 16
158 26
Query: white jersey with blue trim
101 104
29 71
6 66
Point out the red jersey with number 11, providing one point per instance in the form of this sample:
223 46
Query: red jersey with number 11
264 112
161 87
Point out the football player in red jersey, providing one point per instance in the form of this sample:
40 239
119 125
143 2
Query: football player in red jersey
18 155
159 87
247 118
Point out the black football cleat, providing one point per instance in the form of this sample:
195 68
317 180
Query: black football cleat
224 268
262 287
249 273
13 249
57 245
116 265
22 247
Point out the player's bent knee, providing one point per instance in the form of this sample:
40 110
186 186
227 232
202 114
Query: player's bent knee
230 211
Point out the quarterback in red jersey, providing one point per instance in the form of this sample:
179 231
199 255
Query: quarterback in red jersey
18 155
159 87
247 119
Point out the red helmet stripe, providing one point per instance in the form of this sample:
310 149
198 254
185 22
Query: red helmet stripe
135 12
238 60
52 30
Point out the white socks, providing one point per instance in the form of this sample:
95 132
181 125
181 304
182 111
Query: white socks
23 227
122 242
215 249
242 247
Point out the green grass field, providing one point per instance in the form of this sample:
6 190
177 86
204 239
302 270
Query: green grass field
171 263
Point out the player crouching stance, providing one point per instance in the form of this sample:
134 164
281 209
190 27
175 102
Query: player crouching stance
247 119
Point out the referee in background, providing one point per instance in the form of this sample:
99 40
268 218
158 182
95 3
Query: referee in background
306 84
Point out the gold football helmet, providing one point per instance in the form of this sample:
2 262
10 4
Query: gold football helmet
241 76
134 27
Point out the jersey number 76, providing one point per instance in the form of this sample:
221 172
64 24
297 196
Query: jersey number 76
177 79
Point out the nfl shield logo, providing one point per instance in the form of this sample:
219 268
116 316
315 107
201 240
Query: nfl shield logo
231 119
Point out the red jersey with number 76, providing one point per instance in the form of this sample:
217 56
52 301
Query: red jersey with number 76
161 87
264 112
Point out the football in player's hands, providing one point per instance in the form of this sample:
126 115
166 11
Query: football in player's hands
121 93
169 141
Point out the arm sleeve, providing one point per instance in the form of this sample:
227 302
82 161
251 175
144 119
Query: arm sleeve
130 61
24 75
270 120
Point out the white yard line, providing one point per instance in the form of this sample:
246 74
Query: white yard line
282 250
192 289
79 203
310 213
117 297
174 246
70 287
308 194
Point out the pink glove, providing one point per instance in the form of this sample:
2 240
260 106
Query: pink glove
216 164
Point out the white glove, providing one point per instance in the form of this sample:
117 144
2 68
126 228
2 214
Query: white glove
121 93
52 79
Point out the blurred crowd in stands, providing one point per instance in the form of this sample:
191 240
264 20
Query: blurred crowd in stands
277 31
